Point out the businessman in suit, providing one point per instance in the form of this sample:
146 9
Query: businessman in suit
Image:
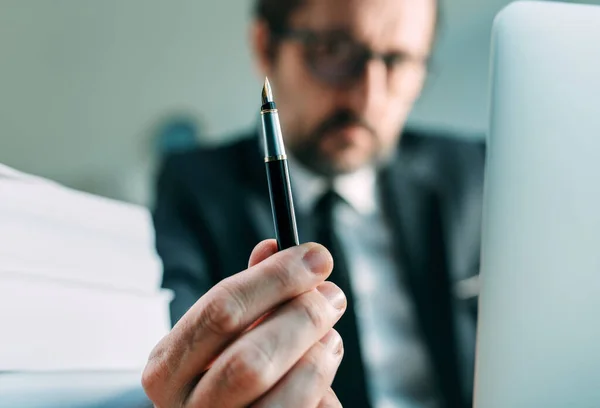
398 211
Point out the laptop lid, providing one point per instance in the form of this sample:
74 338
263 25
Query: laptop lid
539 321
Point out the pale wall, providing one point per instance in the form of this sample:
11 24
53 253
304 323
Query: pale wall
83 83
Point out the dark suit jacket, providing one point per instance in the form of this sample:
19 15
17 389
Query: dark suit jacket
213 207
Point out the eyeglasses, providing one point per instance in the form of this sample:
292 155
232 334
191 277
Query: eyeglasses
337 59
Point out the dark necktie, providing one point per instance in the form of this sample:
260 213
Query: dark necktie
349 383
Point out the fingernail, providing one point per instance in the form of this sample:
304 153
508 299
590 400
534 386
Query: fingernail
337 346
334 294
317 259
333 342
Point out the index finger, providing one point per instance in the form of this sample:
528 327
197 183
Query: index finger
226 311
262 251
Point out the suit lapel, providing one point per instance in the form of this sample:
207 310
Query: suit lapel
413 211
255 189
238 215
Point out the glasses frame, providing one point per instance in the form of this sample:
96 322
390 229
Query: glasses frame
365 54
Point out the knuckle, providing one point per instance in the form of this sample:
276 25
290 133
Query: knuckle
321 375
150 378
330 400
224 313
285 273
249 368
341 351
155 374
315 367
312 312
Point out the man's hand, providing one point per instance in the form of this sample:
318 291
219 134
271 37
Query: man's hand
261 338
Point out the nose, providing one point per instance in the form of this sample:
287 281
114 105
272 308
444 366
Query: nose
368 93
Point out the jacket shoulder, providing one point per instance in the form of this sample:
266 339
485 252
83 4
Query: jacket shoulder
437 143
208 164
443 158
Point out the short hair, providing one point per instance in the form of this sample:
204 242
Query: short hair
276 13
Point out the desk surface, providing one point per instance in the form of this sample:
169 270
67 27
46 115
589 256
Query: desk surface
72 389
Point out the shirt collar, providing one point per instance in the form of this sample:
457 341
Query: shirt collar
358 189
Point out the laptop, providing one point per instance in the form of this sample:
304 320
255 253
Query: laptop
539 319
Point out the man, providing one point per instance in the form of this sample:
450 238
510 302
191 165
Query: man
398 210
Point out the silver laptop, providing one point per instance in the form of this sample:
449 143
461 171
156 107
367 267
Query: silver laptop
539 322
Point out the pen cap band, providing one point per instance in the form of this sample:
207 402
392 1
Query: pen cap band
269 106
272 135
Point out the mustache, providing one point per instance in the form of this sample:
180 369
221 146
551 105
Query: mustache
342 119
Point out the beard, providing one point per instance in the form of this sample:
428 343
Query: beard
309 150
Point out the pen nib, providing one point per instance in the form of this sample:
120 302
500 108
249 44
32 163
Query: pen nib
267 93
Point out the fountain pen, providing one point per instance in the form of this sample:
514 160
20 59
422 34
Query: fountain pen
278 177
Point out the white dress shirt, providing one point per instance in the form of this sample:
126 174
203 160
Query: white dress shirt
398 370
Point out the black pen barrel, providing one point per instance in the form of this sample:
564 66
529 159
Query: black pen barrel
281 202
278 175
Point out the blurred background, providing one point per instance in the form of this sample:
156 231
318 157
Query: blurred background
91 92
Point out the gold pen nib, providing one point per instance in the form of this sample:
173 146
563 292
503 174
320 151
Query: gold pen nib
267 92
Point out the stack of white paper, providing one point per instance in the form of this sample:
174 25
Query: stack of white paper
79 280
